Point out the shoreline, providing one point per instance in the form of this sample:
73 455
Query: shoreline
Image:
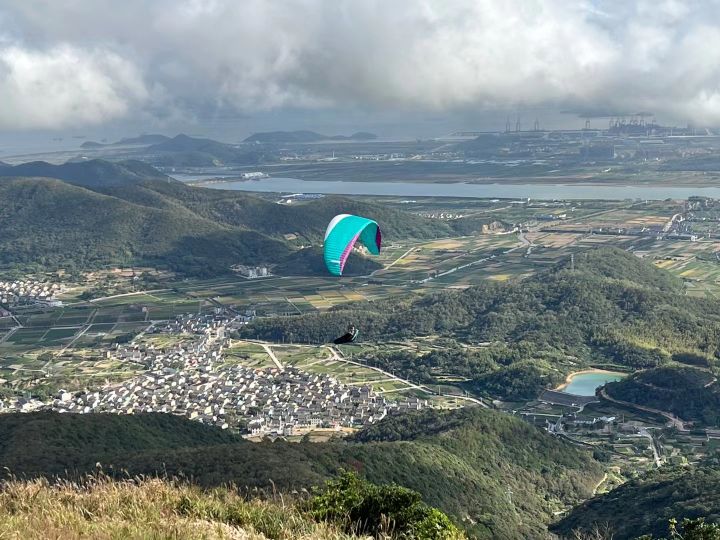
570 376
490 181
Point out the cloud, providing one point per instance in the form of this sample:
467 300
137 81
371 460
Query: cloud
65 86
170 56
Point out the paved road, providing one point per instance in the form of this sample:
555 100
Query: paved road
116 296
10 333
679 424
401 257
338 356
645 433
272 356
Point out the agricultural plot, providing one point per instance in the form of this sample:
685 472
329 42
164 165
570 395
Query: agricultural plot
345 373
6 323
56 334
300 356
26 336
45 319
553 240
247 354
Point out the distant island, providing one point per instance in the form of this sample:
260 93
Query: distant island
304 136
144 140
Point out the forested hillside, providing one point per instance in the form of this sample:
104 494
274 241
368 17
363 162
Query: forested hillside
104 213
645 505
613 308
48 224
690 393
463 461
93 173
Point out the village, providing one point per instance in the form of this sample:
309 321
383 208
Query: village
27 292
193 380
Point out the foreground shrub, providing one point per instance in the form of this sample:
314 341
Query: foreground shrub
389 510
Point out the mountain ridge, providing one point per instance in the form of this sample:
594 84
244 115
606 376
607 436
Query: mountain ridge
116 213
464 470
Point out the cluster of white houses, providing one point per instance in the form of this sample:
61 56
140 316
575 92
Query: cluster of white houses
255 401
192 379
13 293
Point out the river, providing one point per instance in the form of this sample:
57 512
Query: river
584 383
504 191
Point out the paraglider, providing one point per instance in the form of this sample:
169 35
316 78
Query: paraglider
340 237
350 336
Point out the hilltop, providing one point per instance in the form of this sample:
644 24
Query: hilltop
140 140
461 461
186 151
51 224
92 173
280 137
104 213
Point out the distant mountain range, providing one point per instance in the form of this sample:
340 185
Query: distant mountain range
96 212
305 137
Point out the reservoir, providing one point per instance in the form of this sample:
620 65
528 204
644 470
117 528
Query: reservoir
585 383
509 191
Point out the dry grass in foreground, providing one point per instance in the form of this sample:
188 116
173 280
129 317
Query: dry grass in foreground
100 508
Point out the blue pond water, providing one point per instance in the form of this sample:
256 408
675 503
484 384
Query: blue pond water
585 384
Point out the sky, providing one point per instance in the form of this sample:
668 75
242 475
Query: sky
401 68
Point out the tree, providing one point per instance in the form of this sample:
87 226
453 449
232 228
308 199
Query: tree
364 508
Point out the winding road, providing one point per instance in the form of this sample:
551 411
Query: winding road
677 423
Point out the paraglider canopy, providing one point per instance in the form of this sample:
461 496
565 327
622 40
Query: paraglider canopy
340 237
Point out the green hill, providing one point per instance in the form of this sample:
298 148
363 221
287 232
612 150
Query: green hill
690 393
51 443
612 309
465 462
146 139
92 173
140 140
645 505
104 213
50 224
184 151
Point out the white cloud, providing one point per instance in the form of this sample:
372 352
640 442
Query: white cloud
434 55
65 86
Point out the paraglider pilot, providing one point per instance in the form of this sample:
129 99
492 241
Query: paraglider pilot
348 337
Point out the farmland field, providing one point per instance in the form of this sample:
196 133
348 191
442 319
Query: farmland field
410 267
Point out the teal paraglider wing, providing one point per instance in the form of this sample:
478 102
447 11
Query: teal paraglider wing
340 237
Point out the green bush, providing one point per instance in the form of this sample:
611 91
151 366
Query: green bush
364 508
692 529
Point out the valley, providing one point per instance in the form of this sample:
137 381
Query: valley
474 306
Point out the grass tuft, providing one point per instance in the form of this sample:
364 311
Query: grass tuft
148 508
